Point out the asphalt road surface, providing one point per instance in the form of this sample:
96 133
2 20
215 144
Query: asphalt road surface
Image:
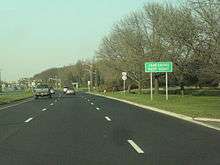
92 130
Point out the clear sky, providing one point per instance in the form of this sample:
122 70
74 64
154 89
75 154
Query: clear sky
39 34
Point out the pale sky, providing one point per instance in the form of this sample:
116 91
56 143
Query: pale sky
39 34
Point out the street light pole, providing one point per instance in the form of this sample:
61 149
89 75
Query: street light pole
91 76
90 70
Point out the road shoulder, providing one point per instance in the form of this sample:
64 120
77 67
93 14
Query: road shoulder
15 103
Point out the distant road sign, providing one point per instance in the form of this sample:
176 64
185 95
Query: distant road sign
158 67
124 73
124 78
33 84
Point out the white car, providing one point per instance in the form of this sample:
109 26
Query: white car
52 91
42 90
70 92
65 89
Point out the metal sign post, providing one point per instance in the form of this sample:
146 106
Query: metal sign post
158 67
124 86
124 78
166 86
151 86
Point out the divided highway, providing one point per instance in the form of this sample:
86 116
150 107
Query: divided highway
92 130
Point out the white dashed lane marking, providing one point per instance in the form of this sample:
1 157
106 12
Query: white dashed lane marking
107 118
135 146
44 109
28 120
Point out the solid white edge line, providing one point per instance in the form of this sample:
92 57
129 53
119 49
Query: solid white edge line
206 119
172 114
28 120
107 118
44 109
135 146
13 105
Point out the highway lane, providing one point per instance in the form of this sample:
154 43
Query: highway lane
71 131
87 129
12 117
165 140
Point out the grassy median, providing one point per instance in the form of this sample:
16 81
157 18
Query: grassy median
194 106
9 97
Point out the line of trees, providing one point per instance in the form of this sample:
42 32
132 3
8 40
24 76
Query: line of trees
187 34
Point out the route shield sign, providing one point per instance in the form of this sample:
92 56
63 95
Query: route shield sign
158 67
124 78
124 73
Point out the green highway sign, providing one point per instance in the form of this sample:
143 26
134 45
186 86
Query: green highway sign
158 67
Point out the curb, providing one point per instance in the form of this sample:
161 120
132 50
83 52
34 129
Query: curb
172 114
206 119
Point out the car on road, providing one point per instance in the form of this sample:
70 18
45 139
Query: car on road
65 88
52 91
70 92
42 90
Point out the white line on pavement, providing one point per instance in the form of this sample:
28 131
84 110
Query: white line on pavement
13 105
51 104
26 121
44 109
107 118
206 119
98 109
135 146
